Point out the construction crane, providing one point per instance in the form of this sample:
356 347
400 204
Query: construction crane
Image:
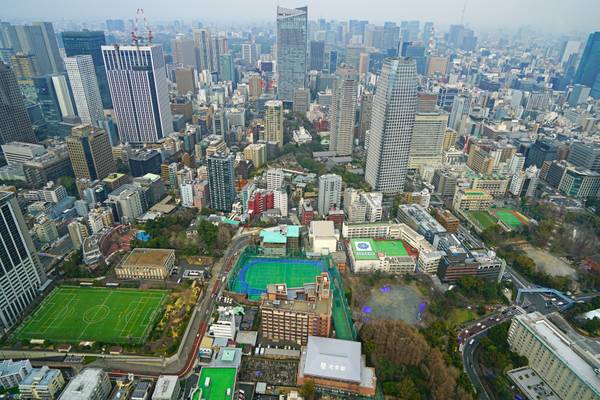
136 39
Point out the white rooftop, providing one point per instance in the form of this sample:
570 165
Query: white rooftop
333 359
83 385
165 387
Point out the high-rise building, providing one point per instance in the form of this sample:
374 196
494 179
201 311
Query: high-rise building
274 122
585 155
139 91
427 139
22 275
226 71
63 95
392 123
203 44
24 66
184 52
292 29
578 95
15 124
84 86
589 66
90 153
39 40
317 55
366 106
275 178
343 110
250 53
221 181
80 43
330 192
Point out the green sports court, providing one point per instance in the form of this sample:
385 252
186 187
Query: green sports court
483 219
512 218
220 381
258 272
74 314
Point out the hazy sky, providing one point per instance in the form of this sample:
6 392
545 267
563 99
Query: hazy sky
550 15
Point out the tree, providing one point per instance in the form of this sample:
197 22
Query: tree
69 183
307 390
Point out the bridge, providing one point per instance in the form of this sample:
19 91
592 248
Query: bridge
568 301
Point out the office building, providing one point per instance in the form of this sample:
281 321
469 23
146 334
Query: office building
15 124
139 91
25 67
558 358
167 388
203 47
153 264
294 315
417 218
301 102
338 365
274 122
184 51
580 182
89 384
427 139
579 95
585 155
127 203
226 68
85 42
589 66
84 86
17 153
343 110
317 55
540 151
21 270
221 181
90 153
257 153
459 262
392 123
39 40
292 30
330 192
366 106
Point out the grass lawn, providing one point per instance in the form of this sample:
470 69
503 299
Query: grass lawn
221 379
74 314
459 316
483 219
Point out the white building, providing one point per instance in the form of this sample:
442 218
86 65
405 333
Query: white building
138 87
167 388
374 206
280 201
84 85
186 190
323 237
17 153
224 327
89 384
302 136
427 139
42 383
13 372
330 192
392 123
275 178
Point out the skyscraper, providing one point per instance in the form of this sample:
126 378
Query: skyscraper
343 110
427 139
22 275
39 40
366 107
184 51
317 55
226 71
90 153
79 43
84 87
138 88
15 125
589 66
203 44
330 192
392 123
292 29
274 122
220 181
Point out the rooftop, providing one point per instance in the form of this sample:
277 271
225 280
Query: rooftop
333 359
369 249
143 257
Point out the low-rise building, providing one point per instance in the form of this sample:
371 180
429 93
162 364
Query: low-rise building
280 240
89 384
447 220
147 264
417 217
167 388
42 383
459 262
323 237
390 256
13 372
472 200
338 365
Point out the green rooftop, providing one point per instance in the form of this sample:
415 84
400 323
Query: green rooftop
369 249
280 235
220 380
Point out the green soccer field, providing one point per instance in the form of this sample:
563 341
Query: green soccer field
483 218
74 314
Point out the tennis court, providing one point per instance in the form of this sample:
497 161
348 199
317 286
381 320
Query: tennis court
258 272
74 314
513 219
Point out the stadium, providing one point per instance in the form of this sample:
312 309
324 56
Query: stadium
76 314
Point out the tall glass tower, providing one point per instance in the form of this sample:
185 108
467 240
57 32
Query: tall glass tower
392 123
292 29
588 72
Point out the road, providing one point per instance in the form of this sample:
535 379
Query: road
184 364
469 338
